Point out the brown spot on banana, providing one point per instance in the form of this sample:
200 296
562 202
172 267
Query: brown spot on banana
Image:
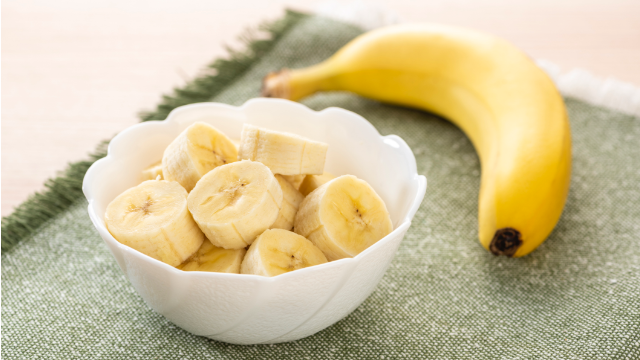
506 241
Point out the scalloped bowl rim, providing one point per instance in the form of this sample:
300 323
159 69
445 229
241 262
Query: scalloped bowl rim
111 160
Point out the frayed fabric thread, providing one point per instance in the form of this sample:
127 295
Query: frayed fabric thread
61 192
64 190
223 72
576 83
582 85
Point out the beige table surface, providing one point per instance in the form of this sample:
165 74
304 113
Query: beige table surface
75 72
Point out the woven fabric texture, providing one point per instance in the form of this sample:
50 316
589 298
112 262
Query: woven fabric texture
444 297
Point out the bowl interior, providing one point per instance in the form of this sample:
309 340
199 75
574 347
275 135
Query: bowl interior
355 147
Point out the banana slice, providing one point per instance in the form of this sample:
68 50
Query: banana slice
235 203
196 151
343 217
283 153
290 203
153 171
214 259
280 251
295 180
153 218
312 182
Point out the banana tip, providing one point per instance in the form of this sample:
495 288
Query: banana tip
506 241
276 84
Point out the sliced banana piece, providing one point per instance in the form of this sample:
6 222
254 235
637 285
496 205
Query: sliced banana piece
153 171
280 251
283 153
235 203
153 218
291 199
197 150
295 180
343 217
312 182
214 259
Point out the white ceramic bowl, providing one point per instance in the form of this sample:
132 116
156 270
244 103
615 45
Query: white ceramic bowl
250 309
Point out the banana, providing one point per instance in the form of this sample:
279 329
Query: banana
506 105
283 153
234 203
295 180
280 251
291 199
343 217
153 171
196 151
214 259
153 218
312 182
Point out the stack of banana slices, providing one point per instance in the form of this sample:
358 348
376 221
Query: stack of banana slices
263 207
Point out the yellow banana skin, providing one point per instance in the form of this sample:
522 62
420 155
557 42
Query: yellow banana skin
506 105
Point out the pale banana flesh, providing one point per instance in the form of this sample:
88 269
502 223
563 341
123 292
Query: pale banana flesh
343 217
312 182
291 199
214 259
197 150
153 171
295 180
280 251
153 218
236 202
283 153
507 106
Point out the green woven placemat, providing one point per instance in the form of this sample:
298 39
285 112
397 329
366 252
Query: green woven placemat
444 297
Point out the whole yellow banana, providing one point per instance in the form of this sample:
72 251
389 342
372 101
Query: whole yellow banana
505 104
